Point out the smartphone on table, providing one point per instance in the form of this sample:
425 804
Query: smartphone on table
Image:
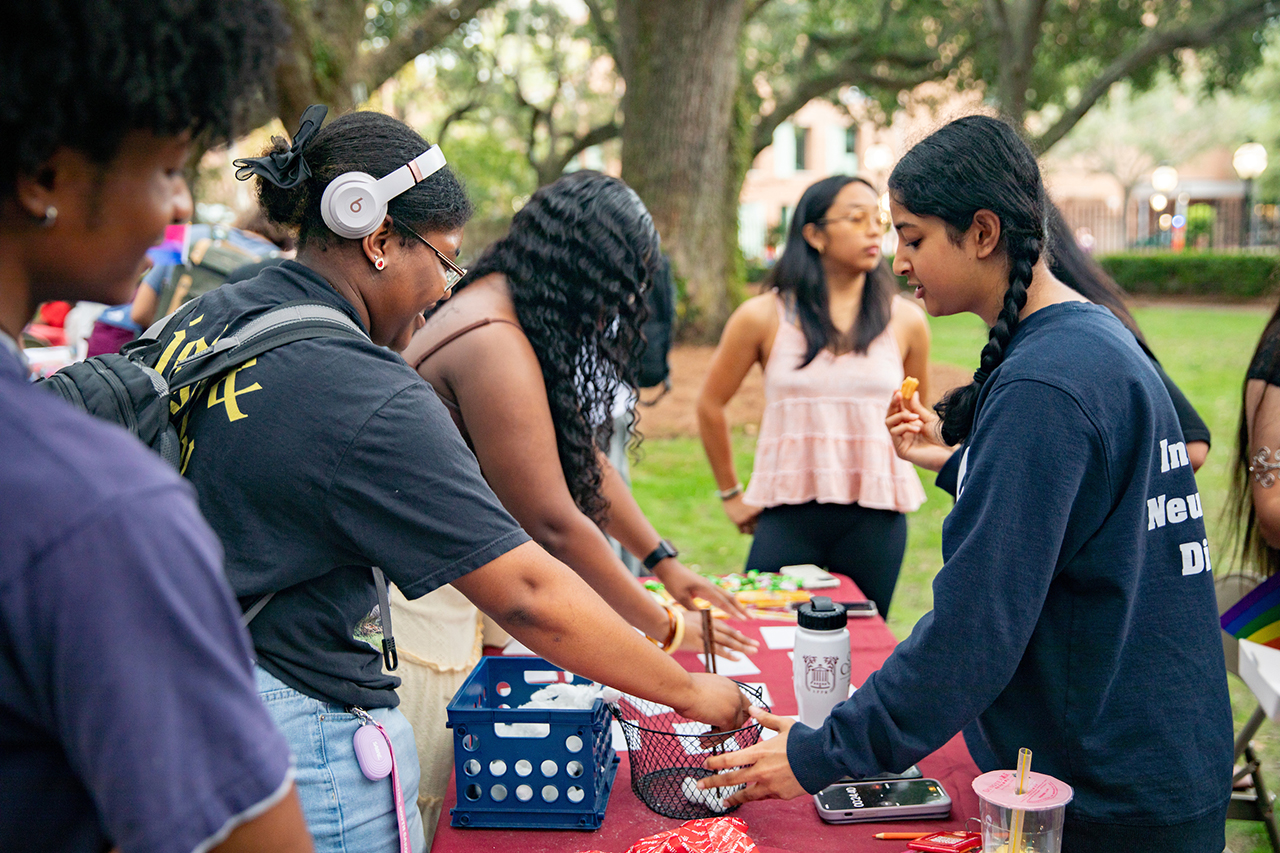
893 799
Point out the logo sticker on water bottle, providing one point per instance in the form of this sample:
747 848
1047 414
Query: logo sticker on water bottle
820 672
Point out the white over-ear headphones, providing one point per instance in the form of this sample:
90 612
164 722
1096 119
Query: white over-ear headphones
354 204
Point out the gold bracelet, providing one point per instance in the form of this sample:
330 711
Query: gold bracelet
671 628
674 641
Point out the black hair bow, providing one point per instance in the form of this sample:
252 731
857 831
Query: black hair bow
285 169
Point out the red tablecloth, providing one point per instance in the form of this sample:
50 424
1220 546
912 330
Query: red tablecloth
775 825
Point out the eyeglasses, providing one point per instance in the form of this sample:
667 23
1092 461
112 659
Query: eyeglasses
452 272
862 218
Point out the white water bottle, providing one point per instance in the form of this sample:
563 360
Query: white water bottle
821 659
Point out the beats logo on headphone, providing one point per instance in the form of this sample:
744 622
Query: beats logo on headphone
354 204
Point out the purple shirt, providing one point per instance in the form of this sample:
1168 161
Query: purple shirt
128 713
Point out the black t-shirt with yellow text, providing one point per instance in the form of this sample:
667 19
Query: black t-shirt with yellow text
315 461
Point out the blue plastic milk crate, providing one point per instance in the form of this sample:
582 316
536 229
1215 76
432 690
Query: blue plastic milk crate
511 774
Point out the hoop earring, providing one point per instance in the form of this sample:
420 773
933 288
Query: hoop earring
380 264
50 217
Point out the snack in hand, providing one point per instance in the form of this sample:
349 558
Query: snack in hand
909 386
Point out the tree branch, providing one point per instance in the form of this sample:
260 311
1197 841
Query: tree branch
604 29
456 115
851 70
1154 46
425 33
999 14
552 167
754 9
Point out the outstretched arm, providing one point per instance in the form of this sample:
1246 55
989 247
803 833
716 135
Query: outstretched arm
544 605
504 405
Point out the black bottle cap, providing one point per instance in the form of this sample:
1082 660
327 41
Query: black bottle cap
822 614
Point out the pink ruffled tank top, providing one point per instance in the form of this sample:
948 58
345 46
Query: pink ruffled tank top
823 436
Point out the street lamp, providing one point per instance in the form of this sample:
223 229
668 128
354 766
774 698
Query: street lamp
1159 201
1164 179
1250 161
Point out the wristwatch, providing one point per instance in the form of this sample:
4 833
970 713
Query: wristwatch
657 555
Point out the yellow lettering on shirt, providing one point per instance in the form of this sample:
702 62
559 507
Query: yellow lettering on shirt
188 445
229 392
167 355
184 394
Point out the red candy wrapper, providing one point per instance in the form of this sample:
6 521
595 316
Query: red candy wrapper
707 835
947 842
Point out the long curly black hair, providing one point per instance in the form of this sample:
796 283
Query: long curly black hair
579 260
84 73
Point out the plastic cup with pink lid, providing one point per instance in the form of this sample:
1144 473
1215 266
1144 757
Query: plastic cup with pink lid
1030 822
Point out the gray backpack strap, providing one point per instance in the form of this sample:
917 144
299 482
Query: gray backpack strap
248 615
389 657
290 322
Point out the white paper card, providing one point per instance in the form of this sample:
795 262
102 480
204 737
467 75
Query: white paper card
779 636
724 666
619 739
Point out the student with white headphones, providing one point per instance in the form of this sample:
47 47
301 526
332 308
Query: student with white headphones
327 456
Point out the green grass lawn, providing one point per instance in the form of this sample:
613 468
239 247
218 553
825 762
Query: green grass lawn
1205 349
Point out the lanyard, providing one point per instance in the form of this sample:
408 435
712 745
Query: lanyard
366 720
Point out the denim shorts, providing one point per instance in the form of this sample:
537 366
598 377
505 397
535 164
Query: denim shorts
345 811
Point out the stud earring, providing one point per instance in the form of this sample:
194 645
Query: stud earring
380 264
50 216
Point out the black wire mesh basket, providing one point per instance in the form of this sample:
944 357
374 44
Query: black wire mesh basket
666 752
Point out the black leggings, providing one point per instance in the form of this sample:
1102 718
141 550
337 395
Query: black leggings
865 544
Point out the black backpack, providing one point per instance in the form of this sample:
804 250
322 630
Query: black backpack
654 368
126 389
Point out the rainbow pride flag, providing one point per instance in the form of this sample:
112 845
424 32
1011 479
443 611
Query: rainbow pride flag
1256 617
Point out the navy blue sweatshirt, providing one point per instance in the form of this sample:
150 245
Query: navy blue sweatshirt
1075 611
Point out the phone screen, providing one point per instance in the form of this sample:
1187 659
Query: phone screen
858 608
870 795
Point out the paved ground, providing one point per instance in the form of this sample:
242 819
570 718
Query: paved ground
675 414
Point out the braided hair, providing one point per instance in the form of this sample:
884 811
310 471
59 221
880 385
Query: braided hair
579 259
979 163
799 274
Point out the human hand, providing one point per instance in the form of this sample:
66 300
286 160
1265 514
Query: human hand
916 432
763 768
727 639
685 585
716 701
744 517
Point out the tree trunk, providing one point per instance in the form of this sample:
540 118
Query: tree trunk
1018 29
680 145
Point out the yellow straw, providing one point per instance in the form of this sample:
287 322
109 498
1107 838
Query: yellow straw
1024 768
